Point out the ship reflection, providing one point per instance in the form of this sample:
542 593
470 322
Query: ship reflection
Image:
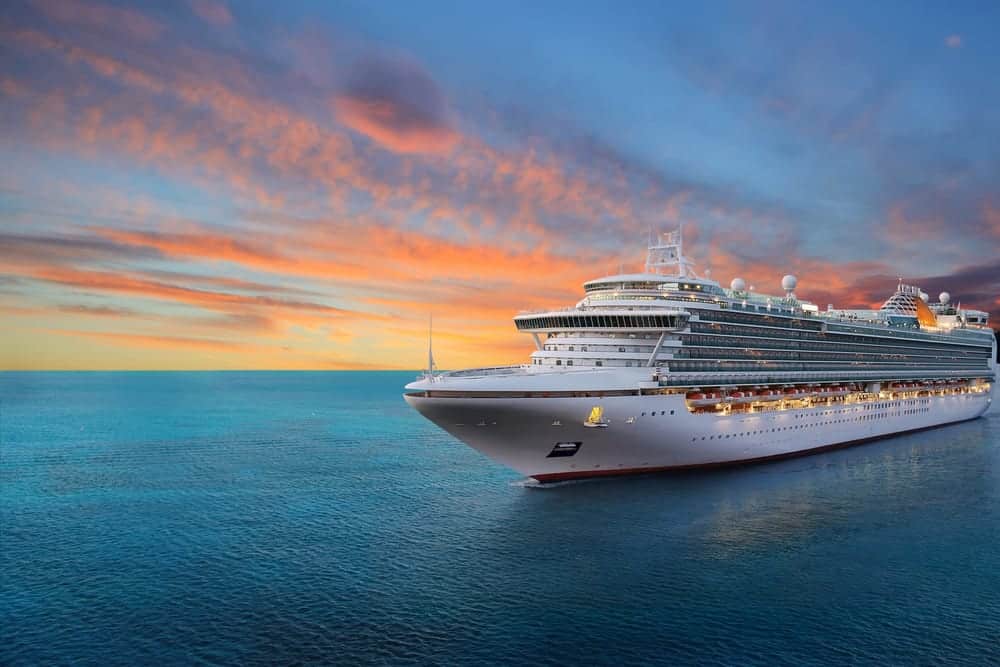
723 514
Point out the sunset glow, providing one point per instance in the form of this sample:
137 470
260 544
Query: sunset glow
261 186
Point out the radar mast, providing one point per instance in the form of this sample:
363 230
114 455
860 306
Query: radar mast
666 252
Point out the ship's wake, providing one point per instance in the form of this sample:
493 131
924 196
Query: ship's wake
532 483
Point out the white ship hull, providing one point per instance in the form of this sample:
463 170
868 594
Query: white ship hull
658 432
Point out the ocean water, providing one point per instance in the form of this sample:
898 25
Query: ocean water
293 518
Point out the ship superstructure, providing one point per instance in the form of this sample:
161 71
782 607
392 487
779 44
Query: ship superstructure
675 372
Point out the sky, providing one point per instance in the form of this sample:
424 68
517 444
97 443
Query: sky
299 185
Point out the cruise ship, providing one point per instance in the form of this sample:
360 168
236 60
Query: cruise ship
666 370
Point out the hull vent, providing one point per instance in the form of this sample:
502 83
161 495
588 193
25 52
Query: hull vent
564 449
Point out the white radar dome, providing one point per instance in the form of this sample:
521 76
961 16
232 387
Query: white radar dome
944 297
924 296
789 282
738 285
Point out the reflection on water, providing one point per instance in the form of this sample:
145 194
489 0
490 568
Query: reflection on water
938 470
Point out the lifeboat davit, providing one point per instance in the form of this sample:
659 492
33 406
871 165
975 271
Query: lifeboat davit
740 397
795 393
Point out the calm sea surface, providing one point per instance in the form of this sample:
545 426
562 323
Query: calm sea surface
176 518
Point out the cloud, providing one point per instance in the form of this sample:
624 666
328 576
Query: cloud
104 17
319 224
99 311
397 105
123 283
147 340
953 41
212 11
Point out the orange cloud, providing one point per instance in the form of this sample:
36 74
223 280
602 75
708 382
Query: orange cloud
397 105
387 125
126 284
145 340
332 252
991 214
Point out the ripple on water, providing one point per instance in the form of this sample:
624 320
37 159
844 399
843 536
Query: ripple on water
299 518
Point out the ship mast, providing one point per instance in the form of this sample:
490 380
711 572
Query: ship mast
430 348
667 251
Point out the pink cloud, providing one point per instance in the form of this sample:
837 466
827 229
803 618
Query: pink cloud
212 11
102 16
397 105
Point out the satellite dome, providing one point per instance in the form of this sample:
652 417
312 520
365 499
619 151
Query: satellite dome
789 282
738 285
944 297
924 296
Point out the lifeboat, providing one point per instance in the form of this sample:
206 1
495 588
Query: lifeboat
796 393
767 395
837 390
897 386
704 400
740 397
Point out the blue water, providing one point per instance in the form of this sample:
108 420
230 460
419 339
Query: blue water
221 518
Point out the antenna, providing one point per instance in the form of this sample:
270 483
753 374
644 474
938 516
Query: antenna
667 252
430 347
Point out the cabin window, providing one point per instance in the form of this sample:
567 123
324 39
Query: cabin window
558 362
